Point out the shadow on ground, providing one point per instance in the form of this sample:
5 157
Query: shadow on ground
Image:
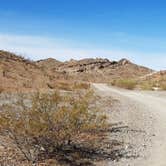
82 155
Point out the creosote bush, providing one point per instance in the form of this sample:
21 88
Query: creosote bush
125 83
70 86
49 123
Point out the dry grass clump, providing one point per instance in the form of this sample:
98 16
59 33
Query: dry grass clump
163 86
69 85
64 85
147 85
125 83
150 85
50 123
81 85
1 90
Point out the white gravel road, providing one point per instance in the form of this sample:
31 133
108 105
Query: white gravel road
145 114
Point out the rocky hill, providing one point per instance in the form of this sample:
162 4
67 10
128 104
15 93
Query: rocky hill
100 70
18 73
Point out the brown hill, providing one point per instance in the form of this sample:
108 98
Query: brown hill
102 70
49 64
18 73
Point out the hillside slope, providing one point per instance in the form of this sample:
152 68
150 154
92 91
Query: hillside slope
18 73
155 80
100 70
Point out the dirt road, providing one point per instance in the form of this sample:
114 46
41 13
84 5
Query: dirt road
145 113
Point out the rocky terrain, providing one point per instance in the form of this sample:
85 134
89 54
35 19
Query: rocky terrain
137 117
156 76
18 73
99 70
153 81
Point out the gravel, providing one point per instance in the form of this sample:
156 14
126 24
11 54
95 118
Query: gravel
141 118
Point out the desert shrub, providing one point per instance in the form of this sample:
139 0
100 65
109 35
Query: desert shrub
64 85
49 123
27 84
146 86
163 86
70 86
81 85
125 83
150 85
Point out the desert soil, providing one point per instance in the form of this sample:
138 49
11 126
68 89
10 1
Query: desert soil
142 119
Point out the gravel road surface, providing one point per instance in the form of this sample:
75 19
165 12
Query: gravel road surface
144 114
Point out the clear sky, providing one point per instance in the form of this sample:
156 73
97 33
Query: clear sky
65 29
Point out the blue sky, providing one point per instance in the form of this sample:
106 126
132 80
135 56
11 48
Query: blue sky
65 29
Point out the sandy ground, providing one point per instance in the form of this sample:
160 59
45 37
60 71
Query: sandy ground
143 115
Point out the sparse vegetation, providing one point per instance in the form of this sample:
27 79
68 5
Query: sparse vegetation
52 74
1 90
163 86
50 123
140 84
146 85
64 85
70 86
81 85
151 84
154 81
125 83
